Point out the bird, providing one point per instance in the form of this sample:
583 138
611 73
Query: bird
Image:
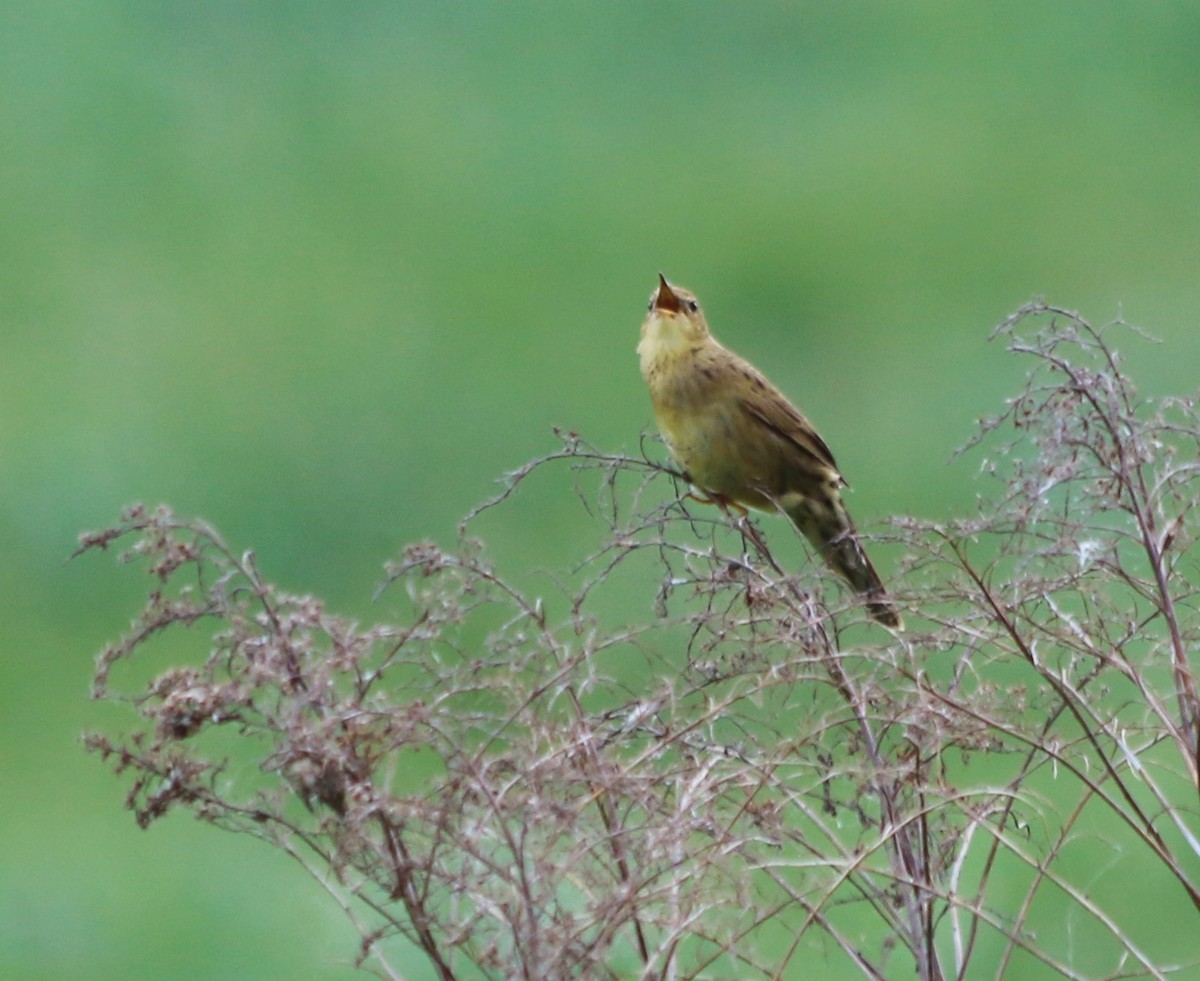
741 443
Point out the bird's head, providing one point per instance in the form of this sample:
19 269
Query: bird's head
673 318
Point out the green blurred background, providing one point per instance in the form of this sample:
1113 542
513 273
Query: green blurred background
320 272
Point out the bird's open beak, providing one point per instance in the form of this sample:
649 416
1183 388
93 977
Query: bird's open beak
664 297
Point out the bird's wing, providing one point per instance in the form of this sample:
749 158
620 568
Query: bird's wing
770 408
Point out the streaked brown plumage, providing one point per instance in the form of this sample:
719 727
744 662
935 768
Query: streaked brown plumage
740 440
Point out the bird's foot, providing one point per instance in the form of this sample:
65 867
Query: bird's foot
726 504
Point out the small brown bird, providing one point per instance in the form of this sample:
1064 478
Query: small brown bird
740 441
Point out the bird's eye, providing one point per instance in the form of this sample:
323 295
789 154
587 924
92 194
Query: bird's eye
693 305
650 305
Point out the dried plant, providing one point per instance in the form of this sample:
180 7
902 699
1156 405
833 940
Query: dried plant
751 779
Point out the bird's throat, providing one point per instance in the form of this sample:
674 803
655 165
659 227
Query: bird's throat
664 342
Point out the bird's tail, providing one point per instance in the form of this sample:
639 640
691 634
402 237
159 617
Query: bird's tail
828 526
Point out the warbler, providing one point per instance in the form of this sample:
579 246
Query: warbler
741 442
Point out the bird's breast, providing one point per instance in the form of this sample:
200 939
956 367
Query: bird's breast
699 415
